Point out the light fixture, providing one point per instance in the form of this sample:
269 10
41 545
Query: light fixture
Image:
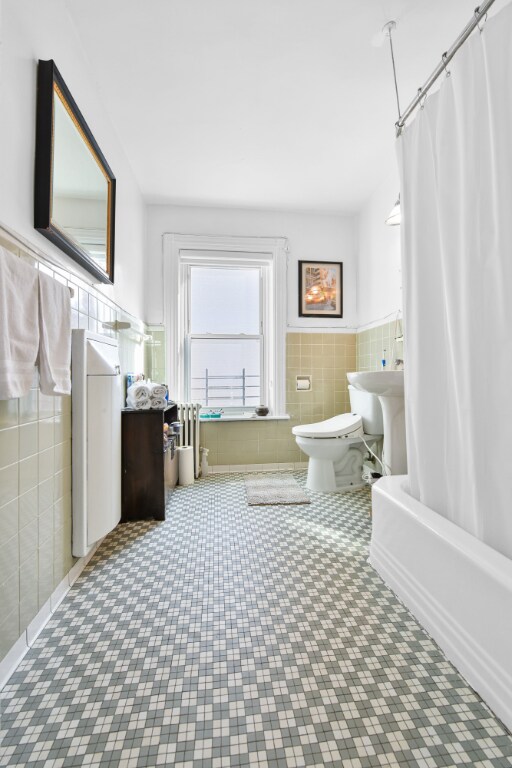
395 217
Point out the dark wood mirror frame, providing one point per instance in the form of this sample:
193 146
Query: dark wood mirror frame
49 80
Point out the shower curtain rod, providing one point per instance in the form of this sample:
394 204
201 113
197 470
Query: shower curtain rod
480 12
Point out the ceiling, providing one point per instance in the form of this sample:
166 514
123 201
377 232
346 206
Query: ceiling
276 104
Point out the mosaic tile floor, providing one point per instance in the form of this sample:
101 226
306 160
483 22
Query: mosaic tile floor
241 636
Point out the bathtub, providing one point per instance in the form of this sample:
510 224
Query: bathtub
458 588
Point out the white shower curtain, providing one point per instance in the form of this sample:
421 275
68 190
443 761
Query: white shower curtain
456 192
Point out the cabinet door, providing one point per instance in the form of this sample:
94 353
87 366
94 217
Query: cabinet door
143 466
103 455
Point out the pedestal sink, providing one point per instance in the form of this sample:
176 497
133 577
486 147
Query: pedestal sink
389 388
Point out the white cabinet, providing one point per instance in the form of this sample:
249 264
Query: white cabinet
96 438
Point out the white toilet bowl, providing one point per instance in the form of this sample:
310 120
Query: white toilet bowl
335 446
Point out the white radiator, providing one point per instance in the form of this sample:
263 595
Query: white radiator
188 415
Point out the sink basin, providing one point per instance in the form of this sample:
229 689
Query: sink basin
387 383
388 386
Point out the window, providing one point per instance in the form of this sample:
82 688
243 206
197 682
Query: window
225 323
225 338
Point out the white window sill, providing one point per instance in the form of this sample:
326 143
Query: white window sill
245 417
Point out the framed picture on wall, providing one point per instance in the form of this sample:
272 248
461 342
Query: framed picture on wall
320 289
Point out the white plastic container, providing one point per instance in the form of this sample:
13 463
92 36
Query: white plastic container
204 461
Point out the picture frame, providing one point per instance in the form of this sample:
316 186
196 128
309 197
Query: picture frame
321 289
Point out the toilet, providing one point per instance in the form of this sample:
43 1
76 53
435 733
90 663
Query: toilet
335 446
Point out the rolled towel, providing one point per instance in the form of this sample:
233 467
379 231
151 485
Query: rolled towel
143 404
138 391
158 402
158 390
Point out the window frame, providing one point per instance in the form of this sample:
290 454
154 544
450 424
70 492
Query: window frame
270 252
241 264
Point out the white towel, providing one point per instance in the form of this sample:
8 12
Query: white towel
54 337
158 390
158 402
142 404
19 331
138 391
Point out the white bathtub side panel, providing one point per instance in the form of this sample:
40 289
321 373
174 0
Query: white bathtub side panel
456 586
103 456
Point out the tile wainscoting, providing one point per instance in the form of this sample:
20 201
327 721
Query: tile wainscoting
326 357
371 343
35 469
155 354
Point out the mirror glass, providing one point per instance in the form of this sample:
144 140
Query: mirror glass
80 188
74 191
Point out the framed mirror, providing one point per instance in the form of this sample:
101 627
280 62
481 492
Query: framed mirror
74 194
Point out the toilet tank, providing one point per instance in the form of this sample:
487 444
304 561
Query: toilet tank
368 407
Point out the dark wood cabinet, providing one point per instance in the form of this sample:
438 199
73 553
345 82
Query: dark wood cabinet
149 468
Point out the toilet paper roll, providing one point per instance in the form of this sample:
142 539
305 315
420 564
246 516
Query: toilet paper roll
303 383
185 465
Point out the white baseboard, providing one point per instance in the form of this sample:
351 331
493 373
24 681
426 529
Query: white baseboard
38 622
15 655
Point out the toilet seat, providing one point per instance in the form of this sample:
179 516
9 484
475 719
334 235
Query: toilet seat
344 425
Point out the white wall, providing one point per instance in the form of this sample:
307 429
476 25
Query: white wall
379 277
42 29
311 237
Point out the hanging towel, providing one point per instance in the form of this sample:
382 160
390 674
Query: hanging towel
54 337
19 332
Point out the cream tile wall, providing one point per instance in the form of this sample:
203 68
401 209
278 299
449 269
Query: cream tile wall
155 353
374 342
35 472
326 357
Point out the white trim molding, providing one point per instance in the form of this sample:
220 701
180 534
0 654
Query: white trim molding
15 655
180 249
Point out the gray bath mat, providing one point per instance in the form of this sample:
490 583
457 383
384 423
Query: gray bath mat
274 489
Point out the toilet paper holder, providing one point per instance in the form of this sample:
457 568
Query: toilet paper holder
303 383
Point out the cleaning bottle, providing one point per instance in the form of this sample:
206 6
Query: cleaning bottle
204 461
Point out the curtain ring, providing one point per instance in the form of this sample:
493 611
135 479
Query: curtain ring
445 64
477 14
422 99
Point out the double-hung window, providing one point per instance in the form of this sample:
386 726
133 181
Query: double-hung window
226 336
225 301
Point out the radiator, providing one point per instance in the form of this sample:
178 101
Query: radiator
188 416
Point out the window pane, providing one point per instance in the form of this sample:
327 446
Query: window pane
225 300
225 372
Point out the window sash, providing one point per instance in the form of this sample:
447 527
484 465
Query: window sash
226 337
223 265
219 263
